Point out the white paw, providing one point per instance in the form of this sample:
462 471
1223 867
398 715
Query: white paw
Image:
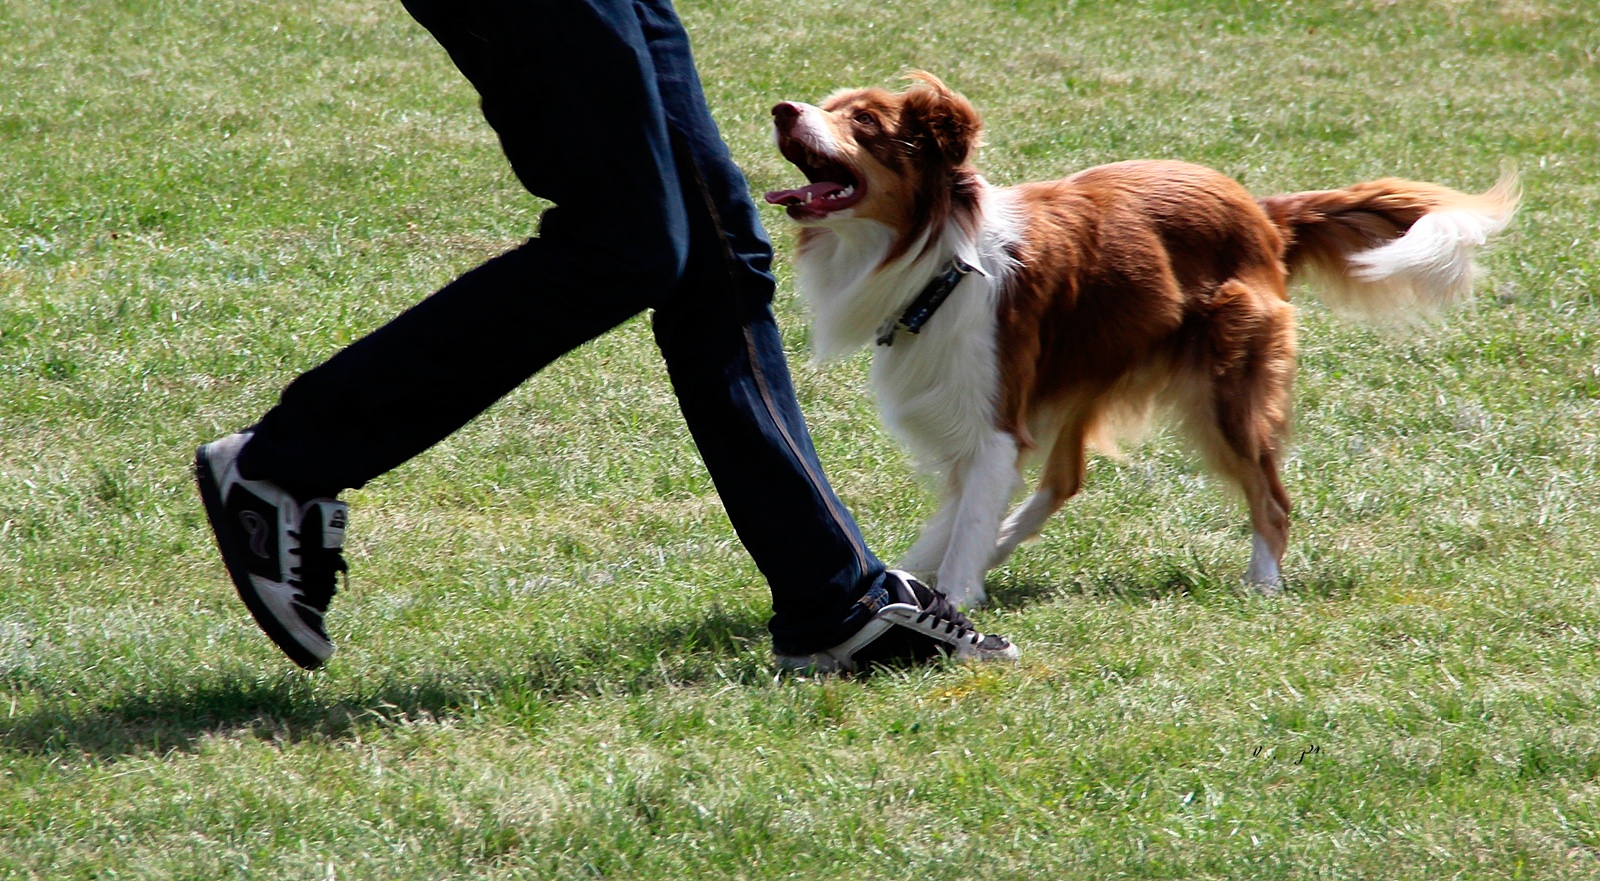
1268 587
1263 575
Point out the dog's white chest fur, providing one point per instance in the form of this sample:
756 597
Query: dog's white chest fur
938 389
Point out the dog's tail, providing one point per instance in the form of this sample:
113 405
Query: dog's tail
1391 247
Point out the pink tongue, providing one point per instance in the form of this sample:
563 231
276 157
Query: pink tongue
798 197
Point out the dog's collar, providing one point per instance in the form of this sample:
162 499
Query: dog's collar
923 307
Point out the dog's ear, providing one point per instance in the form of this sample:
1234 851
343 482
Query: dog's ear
939 120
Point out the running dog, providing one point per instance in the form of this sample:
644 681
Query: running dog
1045 318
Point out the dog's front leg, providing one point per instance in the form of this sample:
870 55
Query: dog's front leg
928 551
985 483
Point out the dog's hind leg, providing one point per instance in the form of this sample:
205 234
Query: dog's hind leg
1062 478
1248 420
1257 478
1269 514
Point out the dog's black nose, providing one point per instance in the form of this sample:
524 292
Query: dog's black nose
784 115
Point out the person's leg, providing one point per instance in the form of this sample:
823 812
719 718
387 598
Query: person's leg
733 386
570 89
724 355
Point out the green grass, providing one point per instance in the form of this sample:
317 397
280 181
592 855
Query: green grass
553 659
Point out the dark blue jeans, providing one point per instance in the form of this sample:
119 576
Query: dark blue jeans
599 108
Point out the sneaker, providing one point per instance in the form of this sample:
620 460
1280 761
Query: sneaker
910 623
283 553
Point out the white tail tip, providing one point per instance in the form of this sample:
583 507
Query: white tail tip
1431 266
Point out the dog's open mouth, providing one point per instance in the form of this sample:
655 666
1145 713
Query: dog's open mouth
833 187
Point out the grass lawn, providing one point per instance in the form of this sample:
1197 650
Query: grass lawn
553 660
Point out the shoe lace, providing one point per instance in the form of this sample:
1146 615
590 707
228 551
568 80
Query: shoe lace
937 606
316 578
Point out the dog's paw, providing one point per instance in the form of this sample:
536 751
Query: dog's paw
1267 587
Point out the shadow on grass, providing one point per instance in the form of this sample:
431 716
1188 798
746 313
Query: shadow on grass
1129 585
1160 582
1327 585
622 659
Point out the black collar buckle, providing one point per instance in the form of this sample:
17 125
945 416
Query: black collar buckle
926 303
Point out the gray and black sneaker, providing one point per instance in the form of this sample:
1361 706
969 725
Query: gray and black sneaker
282 552
911 623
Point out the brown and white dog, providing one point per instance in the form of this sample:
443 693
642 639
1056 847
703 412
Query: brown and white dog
1067 310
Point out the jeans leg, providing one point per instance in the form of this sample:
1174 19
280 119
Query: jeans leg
725 357
614 244
734 389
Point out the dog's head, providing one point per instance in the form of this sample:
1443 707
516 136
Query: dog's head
903 159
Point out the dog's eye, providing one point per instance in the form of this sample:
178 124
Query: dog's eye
865 119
